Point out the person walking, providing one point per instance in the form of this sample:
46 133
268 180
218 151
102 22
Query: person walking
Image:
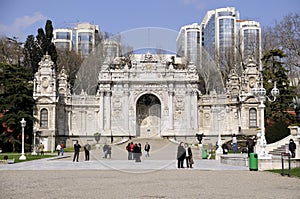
147 149
76 151
292 148
58 148
41 148
234 144
87 149
180 155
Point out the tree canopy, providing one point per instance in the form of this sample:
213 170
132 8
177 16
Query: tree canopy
16 102
34 49
274 71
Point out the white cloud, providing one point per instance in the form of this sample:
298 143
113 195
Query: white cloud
20 24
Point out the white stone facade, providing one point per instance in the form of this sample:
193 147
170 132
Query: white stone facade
148 97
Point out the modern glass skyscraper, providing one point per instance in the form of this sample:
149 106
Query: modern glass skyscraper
219 35
63 38
83 38
188 43
249 40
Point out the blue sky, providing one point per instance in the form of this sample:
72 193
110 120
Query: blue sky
23 17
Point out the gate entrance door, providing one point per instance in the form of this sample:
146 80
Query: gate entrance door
148 116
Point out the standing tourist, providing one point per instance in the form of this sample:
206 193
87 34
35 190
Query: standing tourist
62 150
87 149
109 151
128 150
41 148
234 144
76 151
131 151
188 156
292 148
105 150
250 145
58 148
138 152
180 155
147 149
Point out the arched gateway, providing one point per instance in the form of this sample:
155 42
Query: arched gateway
148 98
148 116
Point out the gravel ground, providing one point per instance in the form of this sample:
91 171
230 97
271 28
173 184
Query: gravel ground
177 183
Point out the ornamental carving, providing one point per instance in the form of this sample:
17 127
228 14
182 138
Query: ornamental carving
179 102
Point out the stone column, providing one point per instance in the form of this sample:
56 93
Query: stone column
101 112
107 110
171 111
194 115
69 121
126 111
188 110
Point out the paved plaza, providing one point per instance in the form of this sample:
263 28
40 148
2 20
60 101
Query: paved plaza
154 177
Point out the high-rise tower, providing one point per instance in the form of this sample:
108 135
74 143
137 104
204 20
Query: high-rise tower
219 36
188 43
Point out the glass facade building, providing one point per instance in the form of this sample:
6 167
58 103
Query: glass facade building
219 35
249 40
62 38
188 43
228 40
83 38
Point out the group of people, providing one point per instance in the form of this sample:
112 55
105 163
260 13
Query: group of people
60 148
135 151
87 147
184 152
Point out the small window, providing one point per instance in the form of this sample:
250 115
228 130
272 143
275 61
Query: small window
44 118
252 118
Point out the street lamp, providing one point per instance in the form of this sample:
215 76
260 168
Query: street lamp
220 116
23 124
261 95
34 137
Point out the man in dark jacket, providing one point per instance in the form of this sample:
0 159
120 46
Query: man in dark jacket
292 148
147 149
76 151
180 155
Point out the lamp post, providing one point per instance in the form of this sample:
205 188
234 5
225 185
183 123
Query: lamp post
23 124
34 137
261 95
220 117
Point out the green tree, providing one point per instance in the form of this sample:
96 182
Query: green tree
35 49
16 102
274 71
32 54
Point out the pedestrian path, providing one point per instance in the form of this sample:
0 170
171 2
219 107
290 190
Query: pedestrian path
162 157
107 164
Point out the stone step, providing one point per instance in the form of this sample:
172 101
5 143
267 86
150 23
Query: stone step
279 150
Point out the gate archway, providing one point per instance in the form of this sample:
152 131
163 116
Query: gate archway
148 116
